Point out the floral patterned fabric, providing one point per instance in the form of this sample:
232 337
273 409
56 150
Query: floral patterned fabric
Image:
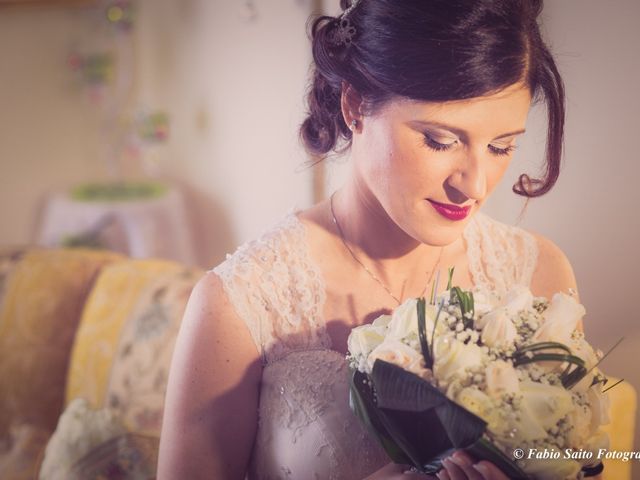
124 343
94 444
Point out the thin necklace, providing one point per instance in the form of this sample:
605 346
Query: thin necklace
371 274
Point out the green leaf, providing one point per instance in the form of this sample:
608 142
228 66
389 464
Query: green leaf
433 333
604 356
547 357
542 346
450 282
420 418
361 401
422 333
434 289
568 378
615 384
466 302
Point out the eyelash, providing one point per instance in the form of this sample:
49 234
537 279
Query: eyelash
501 151
437 146
441 147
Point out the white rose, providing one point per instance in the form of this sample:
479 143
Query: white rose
560 319
497 328
501 378
484 301
479 403
600 407
404 320
551 469
541 408
362 340
517 299
526 427
382 322
587 420
598 440
453 357
396 352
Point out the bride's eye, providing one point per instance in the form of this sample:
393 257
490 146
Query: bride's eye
501 150
430 142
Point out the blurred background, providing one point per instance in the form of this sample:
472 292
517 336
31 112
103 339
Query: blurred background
186 113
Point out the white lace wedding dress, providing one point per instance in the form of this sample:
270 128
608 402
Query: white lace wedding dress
306 430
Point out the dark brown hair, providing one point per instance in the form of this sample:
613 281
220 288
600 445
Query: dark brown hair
433 50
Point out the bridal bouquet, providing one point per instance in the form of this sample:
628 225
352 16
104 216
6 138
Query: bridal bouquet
510 380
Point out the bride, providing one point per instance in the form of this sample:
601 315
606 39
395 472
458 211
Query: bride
430 97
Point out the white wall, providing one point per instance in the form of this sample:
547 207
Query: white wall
48 134
234 89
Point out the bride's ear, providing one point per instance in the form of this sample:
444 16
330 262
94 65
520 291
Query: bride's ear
351 104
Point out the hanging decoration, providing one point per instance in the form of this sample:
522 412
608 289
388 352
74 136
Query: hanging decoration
121 14
153 127
104 67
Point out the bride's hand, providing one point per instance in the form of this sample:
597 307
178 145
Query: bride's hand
394 471
460 466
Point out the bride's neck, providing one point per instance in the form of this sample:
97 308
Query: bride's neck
373 235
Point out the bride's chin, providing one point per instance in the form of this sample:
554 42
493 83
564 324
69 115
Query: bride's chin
442 236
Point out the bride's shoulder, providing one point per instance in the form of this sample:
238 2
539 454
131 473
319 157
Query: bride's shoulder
553 271
547 268
279 240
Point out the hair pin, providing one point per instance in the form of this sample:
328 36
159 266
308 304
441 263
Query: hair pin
344 32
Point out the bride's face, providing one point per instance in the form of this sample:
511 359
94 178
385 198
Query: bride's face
431 166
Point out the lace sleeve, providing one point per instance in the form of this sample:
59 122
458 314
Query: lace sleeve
277 291
500 255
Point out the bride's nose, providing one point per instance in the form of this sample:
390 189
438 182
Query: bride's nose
470 176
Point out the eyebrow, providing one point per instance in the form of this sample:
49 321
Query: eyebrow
462 133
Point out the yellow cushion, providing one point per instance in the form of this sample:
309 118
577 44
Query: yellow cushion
9 259
43 295
621 428
124 343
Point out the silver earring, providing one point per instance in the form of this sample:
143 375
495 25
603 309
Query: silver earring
354 124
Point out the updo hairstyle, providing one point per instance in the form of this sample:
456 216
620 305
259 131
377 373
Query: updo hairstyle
435 51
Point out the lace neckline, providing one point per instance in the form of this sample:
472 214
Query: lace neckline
301 235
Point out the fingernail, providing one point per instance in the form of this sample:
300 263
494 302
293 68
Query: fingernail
461 459
482 470
443 475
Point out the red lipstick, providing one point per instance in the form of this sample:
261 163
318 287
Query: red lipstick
451 212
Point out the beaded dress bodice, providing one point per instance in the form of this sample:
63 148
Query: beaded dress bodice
306 429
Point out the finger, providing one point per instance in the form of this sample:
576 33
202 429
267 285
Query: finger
465 463
443 475
454 471
411 474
